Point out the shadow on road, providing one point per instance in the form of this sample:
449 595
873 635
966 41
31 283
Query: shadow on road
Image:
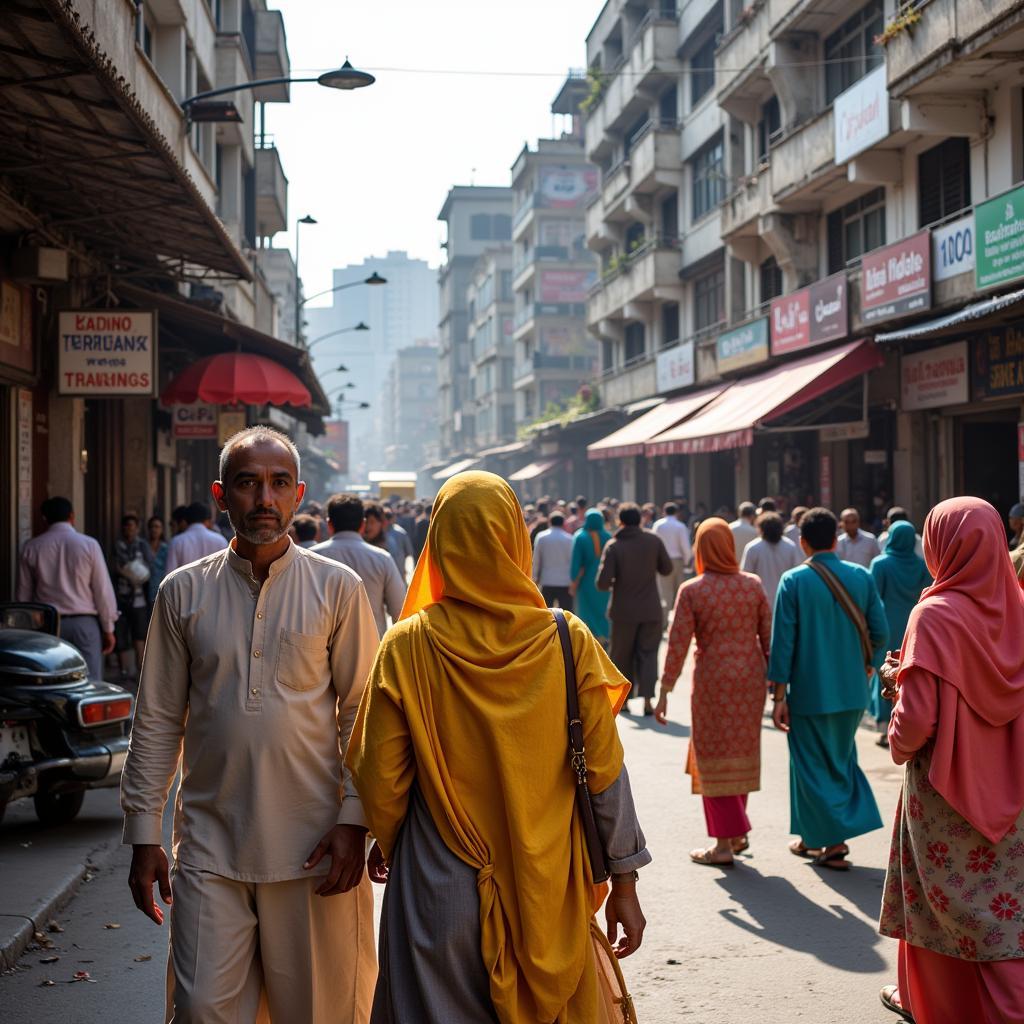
861 886
648 723
784 916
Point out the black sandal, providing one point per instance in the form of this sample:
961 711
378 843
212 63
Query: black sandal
888 997
835 861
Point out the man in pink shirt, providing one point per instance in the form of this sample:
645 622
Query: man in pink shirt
66 569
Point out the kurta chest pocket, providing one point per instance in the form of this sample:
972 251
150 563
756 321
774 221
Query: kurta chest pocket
301 660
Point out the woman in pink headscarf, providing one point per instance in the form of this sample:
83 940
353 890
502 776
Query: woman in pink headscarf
954 895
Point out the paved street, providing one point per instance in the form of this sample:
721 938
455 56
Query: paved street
773 941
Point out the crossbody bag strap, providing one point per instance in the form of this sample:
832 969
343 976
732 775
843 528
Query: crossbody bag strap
850 608
578 755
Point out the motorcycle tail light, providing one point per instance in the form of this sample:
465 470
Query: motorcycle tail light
99 712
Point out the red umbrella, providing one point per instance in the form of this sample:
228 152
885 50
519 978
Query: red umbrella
236 378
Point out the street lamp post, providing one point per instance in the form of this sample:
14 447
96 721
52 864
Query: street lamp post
332 334
298 305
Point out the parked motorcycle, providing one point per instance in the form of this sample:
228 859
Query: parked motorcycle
61 733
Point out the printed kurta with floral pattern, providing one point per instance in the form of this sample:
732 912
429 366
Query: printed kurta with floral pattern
948 888
729 616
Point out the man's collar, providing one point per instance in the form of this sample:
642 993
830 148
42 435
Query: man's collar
62 527
244 566
195 526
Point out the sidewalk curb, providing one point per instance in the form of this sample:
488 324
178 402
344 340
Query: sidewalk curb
50 904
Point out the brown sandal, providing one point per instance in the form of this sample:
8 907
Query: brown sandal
889 996
798 849
706 857
740 845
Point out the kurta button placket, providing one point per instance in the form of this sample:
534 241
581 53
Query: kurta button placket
254 698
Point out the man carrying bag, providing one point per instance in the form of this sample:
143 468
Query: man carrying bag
829 632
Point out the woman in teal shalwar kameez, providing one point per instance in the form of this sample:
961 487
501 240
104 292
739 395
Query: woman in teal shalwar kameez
591 603
900 575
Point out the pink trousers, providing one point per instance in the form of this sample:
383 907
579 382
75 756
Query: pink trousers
726 816
939 989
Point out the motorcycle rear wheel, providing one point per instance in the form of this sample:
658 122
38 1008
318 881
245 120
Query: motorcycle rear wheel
57 808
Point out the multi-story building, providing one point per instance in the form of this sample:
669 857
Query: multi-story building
410 429
476 217
278 269
854 342
554 270
166 210
396 314
489 335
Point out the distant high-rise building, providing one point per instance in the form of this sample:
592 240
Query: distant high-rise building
477 218
410 421
553 268
397 314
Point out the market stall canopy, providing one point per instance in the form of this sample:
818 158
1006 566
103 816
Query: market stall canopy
236 378
504 449
534 470
456 467
84 165
730 419
978 315
630 439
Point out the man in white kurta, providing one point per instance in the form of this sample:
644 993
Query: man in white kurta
254 684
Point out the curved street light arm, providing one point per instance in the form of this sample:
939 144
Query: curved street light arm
337 288
210 93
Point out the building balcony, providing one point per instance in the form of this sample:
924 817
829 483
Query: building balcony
271 57
233 67
650 60
947 29
654 161
271 192
740 60
524 320
629 384
542 366
741 209
650 272
802 159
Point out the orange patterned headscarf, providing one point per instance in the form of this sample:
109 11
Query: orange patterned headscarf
714 549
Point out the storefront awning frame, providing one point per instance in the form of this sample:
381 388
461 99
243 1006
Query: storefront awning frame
534 470
85 167
752 403
948 325
459 466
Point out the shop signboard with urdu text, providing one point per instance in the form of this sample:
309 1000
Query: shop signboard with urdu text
811 316
896 279
998 363
109 352
934 377
743 346
999 239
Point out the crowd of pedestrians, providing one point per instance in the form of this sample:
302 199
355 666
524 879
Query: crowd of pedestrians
418 639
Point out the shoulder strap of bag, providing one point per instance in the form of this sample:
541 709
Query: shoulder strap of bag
849 607
577 755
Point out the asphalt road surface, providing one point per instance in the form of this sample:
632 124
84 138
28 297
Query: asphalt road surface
772 941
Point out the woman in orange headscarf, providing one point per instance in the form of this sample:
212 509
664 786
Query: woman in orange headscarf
460 757
727 612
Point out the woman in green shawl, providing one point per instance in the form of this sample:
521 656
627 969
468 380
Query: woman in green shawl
900 576
591 603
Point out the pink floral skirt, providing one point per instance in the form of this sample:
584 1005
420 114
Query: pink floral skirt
948 889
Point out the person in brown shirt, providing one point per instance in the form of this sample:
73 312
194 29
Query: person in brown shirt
255 663
630 565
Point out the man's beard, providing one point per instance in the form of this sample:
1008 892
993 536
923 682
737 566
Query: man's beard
263 534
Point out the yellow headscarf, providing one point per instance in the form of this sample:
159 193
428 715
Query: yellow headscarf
467 699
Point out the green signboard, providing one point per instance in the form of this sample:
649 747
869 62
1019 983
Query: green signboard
999 239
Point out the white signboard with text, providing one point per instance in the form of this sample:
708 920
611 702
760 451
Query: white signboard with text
675 368
861 115
953 249
934 378
106 352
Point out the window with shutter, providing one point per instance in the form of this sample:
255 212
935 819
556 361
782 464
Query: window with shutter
943 180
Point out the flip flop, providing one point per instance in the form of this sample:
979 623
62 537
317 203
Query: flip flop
888 996
705 857
798 849
833 861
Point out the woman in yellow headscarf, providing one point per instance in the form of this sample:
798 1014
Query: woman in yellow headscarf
460 757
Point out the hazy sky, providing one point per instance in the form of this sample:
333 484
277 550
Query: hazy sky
373 166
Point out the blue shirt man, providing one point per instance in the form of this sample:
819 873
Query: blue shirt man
821 691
